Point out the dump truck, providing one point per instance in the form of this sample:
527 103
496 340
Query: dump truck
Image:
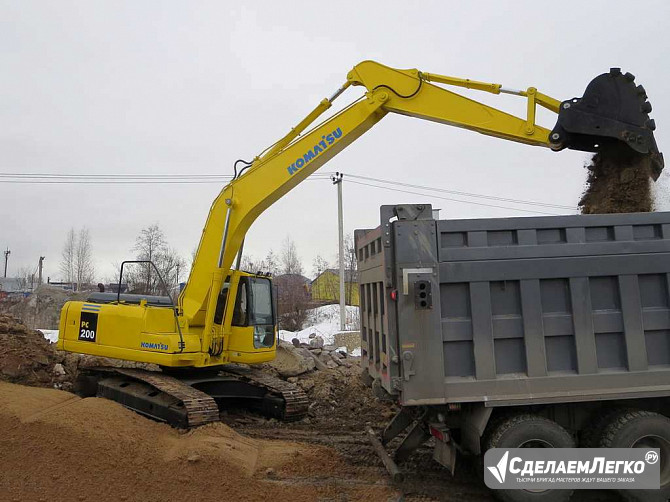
549 331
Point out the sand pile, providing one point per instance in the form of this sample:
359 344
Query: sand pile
59 447
618 182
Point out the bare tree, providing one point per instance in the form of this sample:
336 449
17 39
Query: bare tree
151 245
271 263
25 279
289 259
84 269
68 256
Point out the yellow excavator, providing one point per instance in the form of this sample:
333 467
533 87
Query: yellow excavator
225 315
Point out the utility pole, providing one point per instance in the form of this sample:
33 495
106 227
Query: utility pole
337 180
39 267
7 253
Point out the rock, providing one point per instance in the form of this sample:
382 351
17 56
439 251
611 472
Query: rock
330 348
315 351
336 355
335 359
325 357
193 457
312 335
316 342
318 364
58 370
295 342
292 379
270 473
307 384
332 364
290 362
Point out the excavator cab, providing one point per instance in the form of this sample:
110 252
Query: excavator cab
613 110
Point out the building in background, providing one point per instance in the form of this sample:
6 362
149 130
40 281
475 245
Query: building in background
326 287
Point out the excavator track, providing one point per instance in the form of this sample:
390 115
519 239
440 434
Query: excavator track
200 408
296 401
159 396
193 399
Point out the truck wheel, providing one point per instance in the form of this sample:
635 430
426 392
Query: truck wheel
592 434
642 429
530 431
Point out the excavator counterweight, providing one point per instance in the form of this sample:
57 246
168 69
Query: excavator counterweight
613 109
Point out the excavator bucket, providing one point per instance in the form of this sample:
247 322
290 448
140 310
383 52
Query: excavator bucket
612 110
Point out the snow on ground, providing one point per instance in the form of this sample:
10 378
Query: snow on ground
50 334
325 322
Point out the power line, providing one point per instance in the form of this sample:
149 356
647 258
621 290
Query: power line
465 194
186 179
452 200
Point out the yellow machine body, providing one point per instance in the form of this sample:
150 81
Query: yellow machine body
200 330
149 334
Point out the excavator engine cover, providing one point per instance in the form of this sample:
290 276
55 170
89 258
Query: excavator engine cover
612 109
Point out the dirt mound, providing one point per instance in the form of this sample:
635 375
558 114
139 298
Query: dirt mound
26 357
618 182
339 398
59 447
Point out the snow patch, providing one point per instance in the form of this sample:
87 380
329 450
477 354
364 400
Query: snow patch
50 334
325 322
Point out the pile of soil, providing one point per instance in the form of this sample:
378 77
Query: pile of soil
27 357
618 182
338 398
59 447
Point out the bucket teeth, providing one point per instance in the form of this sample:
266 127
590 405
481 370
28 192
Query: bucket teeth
651 124
642 91
615 71
646 107
629 76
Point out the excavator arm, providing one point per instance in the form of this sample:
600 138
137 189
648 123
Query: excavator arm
408 92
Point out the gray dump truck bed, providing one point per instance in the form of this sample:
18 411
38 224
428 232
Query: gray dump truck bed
516 310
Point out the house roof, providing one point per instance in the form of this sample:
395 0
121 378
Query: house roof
349 275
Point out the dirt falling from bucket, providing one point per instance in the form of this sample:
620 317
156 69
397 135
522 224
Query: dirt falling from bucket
618 182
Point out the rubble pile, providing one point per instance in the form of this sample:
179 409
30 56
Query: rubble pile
331 378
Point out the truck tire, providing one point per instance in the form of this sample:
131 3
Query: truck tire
592 435
642 429
529 431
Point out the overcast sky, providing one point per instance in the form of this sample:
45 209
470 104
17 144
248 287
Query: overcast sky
165 87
